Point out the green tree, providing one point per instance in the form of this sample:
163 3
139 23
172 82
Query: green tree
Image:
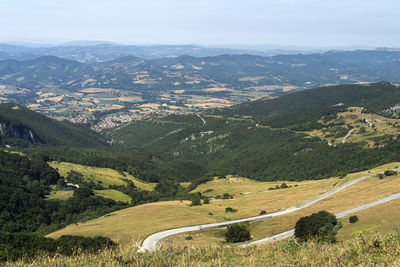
196 200
237 233
322 225
353 219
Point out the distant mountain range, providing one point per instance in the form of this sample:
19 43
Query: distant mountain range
91 52
100 51
196 73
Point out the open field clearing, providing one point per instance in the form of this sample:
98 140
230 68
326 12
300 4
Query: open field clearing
138 222
60 194
134 224
365 191
368 128
98 90
382 218
113 194
107 193
104 176
217 89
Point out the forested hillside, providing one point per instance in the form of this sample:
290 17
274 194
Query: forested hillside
21 126
376 98
272 144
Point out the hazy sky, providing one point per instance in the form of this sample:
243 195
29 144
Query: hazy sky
211 22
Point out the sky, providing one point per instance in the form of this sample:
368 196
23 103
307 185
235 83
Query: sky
306 23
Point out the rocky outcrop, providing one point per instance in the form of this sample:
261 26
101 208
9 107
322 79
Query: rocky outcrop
19 131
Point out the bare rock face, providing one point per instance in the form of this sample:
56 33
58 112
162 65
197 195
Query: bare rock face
19 131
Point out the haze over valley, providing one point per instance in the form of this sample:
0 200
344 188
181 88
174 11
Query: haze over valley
245 133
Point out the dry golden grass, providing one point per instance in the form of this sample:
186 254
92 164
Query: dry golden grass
382 218
216 89
98 90
130 98
53 99
363 192
137 222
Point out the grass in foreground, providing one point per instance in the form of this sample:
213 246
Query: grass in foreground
375 250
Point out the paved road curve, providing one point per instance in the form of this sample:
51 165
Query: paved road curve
150 243
339 215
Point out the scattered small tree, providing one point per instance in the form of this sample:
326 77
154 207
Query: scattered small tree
353 219
263 212
229 209
227 196
390 173
284 185
196 200
239 232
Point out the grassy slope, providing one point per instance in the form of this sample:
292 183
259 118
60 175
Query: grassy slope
104 176
383 218
60 194
137 222
363 192
113 194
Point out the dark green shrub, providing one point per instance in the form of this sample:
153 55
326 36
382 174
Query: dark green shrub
263 212
284 185
237 233
390 173
226 196
189 237
196 200
353 219
229 209
322 225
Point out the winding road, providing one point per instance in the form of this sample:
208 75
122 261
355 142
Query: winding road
348 135
150 243
338 215
204 121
